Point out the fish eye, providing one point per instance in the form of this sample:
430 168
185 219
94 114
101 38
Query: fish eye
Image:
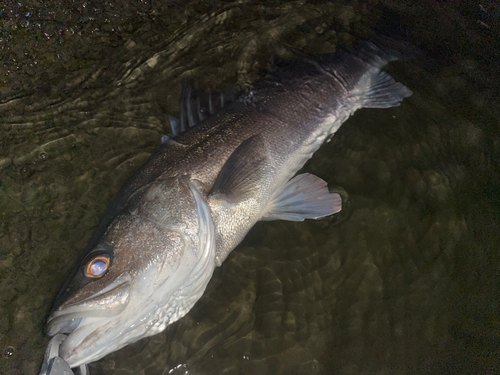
97 266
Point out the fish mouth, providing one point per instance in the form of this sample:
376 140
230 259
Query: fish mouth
89 323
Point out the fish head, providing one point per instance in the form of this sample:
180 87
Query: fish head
147 271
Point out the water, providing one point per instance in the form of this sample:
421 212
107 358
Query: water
406 280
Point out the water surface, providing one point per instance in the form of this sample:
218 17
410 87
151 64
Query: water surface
405 280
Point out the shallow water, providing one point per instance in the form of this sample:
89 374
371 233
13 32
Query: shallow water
405 280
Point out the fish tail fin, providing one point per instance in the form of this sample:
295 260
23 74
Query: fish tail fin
377 89
384 92
359 70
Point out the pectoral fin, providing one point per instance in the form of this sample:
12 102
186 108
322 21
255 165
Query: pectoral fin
303 197
243 171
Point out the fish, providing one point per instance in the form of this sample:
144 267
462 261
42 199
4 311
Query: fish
223 168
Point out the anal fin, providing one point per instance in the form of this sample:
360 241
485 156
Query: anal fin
303 197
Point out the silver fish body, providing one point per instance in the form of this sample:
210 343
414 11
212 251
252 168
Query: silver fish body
197 197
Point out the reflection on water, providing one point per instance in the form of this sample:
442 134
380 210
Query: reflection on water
408 282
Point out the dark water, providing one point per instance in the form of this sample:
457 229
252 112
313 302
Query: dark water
405 281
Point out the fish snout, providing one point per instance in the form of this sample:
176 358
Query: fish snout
107 302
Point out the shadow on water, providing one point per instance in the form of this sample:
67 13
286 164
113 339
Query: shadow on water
408 282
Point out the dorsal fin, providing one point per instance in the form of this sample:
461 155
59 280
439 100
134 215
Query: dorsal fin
196 105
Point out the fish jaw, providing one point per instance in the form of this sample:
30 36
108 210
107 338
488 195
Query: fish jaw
93 333
120 312
81 319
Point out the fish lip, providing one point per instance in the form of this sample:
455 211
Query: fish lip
80 320
87 343
69 315
83 349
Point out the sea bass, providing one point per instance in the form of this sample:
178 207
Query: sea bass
197 197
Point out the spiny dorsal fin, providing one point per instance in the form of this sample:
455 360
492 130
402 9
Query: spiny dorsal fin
196 105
